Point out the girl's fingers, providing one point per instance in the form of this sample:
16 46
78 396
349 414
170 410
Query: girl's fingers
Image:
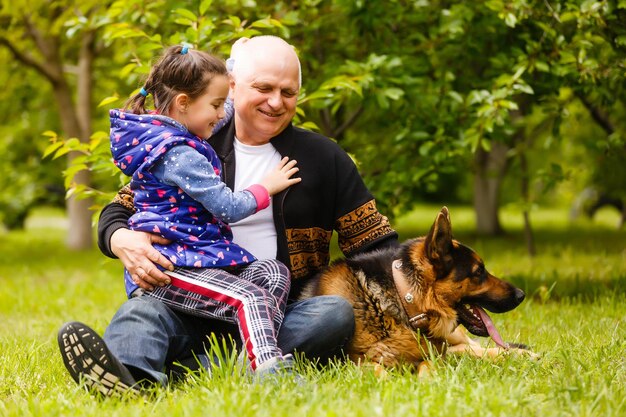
289 166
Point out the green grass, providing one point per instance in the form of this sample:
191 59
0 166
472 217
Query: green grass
574 317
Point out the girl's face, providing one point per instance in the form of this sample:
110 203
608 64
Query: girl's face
202 114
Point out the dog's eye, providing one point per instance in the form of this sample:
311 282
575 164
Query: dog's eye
479 272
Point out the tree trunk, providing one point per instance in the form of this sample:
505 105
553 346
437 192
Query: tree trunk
525 185
80 233
490 168
75 121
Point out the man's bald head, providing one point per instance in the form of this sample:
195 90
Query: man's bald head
260 49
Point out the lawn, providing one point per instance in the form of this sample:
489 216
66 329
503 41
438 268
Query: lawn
574 317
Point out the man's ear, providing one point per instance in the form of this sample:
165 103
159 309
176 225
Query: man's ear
231 84
181 102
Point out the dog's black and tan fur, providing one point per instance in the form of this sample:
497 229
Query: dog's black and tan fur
447 280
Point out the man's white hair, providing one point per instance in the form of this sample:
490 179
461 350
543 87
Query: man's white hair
241 55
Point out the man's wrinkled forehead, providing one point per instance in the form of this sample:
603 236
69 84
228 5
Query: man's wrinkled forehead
264 57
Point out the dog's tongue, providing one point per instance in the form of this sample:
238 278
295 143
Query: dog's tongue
491 329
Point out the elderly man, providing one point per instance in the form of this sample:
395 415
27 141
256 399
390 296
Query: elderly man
145 337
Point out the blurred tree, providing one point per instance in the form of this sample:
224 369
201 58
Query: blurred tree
419 92
138 31
422 85
24 114
58 40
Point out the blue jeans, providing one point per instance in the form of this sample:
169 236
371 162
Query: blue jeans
147 336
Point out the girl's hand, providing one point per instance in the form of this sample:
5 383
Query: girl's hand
280 177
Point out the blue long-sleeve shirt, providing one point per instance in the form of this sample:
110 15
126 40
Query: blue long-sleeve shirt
184 167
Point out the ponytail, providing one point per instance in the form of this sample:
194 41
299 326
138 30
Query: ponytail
137 103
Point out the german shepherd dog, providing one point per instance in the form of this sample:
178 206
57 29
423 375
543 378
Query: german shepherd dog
409 299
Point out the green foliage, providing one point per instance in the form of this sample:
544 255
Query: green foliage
143 32
94 155
472 75
24 181
410 89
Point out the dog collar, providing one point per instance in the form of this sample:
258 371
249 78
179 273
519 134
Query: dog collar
417 320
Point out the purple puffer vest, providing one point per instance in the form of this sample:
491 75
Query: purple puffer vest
198 238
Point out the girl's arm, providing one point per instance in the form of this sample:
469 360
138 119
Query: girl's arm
186 168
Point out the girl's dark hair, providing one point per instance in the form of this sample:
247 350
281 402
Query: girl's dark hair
176 73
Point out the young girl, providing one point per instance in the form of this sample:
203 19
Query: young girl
179 195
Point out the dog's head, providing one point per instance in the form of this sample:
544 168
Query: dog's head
456 287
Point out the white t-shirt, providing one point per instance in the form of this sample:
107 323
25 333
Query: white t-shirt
256 233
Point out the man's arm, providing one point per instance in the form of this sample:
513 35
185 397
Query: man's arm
365 229
113 217
359 225
134 249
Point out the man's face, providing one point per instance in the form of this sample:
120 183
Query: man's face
265 96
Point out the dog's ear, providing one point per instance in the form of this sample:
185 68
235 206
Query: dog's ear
439 243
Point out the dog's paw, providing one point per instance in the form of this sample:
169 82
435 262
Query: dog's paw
425 369
380 371
521 349
476 350
522 346
514 349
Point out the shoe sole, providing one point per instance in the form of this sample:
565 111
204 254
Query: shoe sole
89 361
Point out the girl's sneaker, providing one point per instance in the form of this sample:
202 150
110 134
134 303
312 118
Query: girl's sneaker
277 367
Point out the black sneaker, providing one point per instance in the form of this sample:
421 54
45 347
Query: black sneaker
90 362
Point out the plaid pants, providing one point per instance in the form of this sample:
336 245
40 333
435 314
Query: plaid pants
254 299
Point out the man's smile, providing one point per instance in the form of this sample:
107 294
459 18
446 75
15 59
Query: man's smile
271 114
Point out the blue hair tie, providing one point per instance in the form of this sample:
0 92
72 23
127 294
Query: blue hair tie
143 92
184 50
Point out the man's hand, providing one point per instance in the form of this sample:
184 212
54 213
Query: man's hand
135 251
